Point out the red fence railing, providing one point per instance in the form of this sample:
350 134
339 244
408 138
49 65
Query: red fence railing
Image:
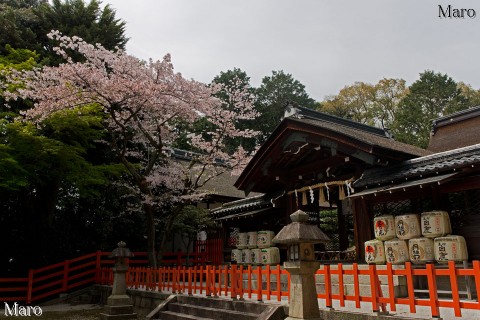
268 283
262 283
48 282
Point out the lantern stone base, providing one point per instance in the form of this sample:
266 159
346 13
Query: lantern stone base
303 293
118 307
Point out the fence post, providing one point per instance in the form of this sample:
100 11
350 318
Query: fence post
233 282
97 266
259 283
207 280
373 287
341 291
454 285
65 276
268 278
214 280
432 288
328 286
476 276
391 287
30 286
356 285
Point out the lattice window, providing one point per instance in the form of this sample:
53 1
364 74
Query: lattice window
233 237
312 217
402 207
464 208
334 243
394 208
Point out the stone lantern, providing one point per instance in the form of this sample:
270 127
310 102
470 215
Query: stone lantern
300 237
119 305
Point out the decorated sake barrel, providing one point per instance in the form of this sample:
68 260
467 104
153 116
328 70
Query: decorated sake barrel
435 224
270 255
396 251
374 252
237 256
246 256
252 240
421 250
450 248
242 240
264 239
407 226
384 227
256 256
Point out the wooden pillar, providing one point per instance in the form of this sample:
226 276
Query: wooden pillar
362 226
342 225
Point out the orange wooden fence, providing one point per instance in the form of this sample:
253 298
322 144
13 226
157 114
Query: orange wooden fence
270 283
49 282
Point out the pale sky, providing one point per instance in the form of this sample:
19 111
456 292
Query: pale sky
325 44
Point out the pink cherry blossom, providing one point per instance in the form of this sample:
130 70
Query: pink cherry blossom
143 101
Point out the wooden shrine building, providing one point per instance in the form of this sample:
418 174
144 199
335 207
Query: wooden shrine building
311 160
447 180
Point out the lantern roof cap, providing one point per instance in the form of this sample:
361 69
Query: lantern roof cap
121 252
300 231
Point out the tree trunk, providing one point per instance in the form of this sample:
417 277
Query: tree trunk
166 232
150 226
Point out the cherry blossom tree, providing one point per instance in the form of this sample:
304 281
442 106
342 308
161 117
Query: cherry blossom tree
142 102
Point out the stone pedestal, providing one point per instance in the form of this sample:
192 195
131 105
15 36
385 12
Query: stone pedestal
303 293
119 305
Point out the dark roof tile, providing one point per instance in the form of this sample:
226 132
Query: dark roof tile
432 164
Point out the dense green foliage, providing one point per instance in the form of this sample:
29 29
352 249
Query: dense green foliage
25 24
407 111
54 188
275 92
434 95
57 180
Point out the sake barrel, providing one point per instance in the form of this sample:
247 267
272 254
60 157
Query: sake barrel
270 255
374 252
407 226
242 240
252 240
450 248
246 256
384 227
264 239
256 256
435 224
396 251
421 250
236 256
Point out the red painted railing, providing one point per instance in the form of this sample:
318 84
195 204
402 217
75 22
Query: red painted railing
261 283
269 283
65 276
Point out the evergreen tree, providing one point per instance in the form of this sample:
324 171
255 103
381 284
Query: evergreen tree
434 95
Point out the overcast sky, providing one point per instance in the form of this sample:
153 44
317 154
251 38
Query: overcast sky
325 44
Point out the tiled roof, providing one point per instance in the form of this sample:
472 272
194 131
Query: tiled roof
306 113
243 205
302 133
446 161
373 139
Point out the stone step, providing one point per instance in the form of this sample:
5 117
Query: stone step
169 315
195 307
216 313
219 303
